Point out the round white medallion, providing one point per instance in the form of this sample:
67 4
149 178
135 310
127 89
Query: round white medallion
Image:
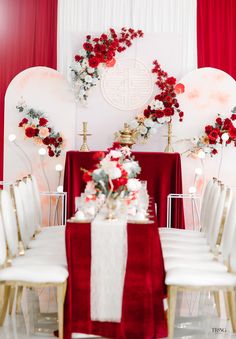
128 85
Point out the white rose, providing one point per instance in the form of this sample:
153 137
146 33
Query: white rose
97 171
157 104
84 63
133 124
88 78
143 129
148 122
133 185
110 168
115 154
90 188
161 120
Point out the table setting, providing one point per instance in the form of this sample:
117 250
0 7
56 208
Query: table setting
116 272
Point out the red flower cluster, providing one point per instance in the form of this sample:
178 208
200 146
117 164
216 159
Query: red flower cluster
169 89
103 49
36 126
214 132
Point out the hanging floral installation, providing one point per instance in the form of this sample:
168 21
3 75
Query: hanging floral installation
162 108
221 133
37 127
96 54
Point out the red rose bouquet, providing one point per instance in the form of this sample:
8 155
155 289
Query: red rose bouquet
98 52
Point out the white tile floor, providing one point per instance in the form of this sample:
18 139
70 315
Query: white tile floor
195 319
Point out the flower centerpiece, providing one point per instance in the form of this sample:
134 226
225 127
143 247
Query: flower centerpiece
114 175
163 107
98 53
219 134
37 127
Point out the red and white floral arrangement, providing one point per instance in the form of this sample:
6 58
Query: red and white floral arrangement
37 127
221 133
114 174
163 107
98 53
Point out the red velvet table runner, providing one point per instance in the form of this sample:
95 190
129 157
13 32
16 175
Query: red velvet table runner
161 170
142 307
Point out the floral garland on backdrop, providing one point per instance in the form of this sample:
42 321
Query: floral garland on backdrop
96 54
36 126
163 107
114 174
219 134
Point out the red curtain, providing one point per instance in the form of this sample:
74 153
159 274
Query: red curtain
216 31
28 35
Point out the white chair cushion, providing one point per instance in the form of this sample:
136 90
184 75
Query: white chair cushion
181 232
47 243
40 260
35 274
53 251
176 253
190 277
192 250
53 228
185 245
211 265
183 238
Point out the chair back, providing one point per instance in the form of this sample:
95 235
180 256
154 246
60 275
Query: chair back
228 241
222 210
21 219
37 199
205 199
27 206
9 222
34 207
210 207
3 245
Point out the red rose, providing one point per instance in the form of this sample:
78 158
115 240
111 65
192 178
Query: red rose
60 139
147 113
159 114
233 116
219 121
87 176
23 122
43 121
111 62
128 43
232 132
46 141
181 114
168 112
30 132
213 136
88 37
214 151
78 58
171 81
117 183
227 124
98 156
87 46
208 129
51 153
103 37
93 62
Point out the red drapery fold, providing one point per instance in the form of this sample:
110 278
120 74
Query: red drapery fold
216 31
28 35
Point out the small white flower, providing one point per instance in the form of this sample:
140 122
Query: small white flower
143 129
157 104
115 154
161 120
133 124
133 185
84 63
206 149
90 70
148 122
88 78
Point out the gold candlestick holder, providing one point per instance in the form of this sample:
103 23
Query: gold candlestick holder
169 148
84 147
